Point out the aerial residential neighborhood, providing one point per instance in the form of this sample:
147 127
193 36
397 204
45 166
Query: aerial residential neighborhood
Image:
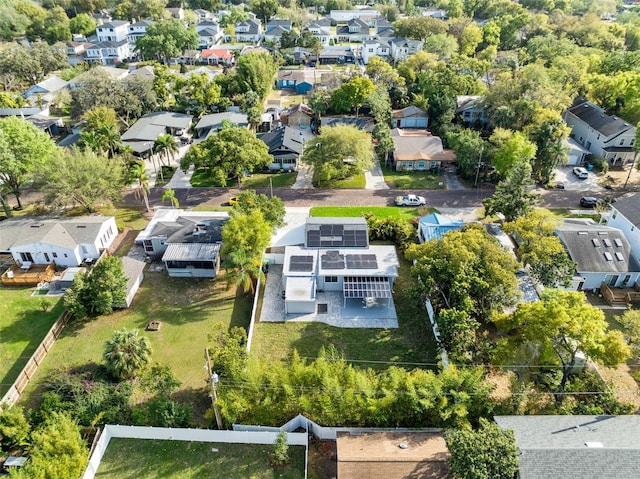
324 240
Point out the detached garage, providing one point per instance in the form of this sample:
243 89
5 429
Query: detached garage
411 117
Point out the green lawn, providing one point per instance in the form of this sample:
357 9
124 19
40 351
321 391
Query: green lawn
412 342
379 211
261 180
23 325
146 459
407 180
354 182
187 309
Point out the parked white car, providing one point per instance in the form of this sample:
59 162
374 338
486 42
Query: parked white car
580 172
410 200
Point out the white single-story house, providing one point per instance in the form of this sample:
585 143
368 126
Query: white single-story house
602 254
63 241
336 256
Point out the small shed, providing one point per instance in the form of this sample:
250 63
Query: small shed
300 295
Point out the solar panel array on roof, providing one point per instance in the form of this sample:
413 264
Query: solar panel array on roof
335 236
362 261
301 263
332 260
366 287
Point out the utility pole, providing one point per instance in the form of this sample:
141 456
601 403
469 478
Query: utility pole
271 186
213 378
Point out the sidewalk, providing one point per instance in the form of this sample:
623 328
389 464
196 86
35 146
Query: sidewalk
180 179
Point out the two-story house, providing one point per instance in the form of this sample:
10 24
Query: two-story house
625 215
285 145
606 136
275 28
112 47
471 111
375 47
321 29
355 30
248 31
401 48
209 32
365 14
138 30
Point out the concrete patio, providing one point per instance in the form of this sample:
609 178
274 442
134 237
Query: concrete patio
354 314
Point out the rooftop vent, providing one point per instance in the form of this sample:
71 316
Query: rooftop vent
602 233
582 233
81 226
403 445
593 444
36 225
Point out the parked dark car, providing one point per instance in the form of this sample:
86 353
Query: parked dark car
589 201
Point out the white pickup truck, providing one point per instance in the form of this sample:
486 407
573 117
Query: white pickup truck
410 200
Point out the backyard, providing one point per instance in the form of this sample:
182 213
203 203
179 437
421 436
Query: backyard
410 345
23 325
146 459
187 310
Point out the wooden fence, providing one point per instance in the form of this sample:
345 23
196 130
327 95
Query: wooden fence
22 381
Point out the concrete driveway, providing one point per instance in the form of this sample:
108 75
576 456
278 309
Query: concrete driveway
572 182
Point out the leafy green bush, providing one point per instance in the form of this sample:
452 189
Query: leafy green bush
279 456
600 165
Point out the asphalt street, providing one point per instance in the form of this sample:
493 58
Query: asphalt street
190 197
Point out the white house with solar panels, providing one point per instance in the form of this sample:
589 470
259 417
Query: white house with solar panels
337 262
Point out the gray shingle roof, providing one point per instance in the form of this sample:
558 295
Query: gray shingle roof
557 446
283 138
629 207
151 126
588 244
596 118
63 232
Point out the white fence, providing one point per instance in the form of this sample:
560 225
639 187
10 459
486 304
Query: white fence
194 435
254 312
322 432
436 332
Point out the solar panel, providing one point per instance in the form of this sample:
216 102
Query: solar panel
362 261
332 260
335 236
361 238
301 263
313 239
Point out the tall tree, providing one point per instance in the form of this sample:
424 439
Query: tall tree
126 353
467 270
24 151
244 239
82 23
264 9
511 147
553 331
167 39
352 94
513 197
272 209
549 132
57 450
170 195
31 64
138 174
228 154
166 145
81 178
255 71
486 453
338 153
541 249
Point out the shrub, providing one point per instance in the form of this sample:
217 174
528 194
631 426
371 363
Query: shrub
600 165
279 456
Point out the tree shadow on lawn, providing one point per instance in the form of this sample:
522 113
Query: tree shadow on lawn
198 398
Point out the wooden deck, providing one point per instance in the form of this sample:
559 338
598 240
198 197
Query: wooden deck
620 296
38 273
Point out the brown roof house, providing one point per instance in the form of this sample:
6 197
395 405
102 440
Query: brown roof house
418 150
299 115
392 455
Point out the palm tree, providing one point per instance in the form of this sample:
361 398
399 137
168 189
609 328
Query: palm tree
110 138
165 144
126 353
139 175
170 194
91 140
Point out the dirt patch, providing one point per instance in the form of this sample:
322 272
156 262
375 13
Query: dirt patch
322 459
624 387
501 383
616 178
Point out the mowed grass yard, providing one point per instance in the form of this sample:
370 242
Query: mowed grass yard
418 180
412 343
378 211
147 459
23 325
187 309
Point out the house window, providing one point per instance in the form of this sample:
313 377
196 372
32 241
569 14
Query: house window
613 216
421 164
46 257
370 50
148 246
26 257
65 255
331 279
621 141
55 255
